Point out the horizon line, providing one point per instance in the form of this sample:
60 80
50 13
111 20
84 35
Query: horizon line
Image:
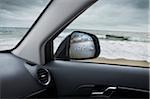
85 29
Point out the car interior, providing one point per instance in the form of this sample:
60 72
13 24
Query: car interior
33 70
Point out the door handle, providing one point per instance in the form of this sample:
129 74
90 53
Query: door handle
106 92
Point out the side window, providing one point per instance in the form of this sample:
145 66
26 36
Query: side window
121 27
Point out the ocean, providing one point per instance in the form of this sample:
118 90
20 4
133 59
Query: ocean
10 36
114 44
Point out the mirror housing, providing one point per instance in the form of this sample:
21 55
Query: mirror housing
78 45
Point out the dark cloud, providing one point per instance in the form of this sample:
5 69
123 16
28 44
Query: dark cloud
12 5
129 15
20 12
141 4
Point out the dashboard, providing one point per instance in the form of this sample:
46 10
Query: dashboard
20 78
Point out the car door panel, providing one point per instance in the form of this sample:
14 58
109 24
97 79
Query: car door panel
70 76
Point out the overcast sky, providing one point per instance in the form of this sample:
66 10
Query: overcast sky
20 13
125 15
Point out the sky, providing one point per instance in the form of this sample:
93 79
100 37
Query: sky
20 13
122 15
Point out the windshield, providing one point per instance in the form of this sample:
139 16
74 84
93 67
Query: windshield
16 17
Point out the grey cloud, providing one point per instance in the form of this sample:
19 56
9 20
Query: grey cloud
12 5
141 4
105 14
20 12
115 15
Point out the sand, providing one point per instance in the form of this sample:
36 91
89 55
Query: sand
120 62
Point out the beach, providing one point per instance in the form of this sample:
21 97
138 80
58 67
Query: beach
133 50
120 62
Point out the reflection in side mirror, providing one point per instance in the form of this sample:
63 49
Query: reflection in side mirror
81 46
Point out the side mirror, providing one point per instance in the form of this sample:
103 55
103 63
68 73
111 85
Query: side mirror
79 45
